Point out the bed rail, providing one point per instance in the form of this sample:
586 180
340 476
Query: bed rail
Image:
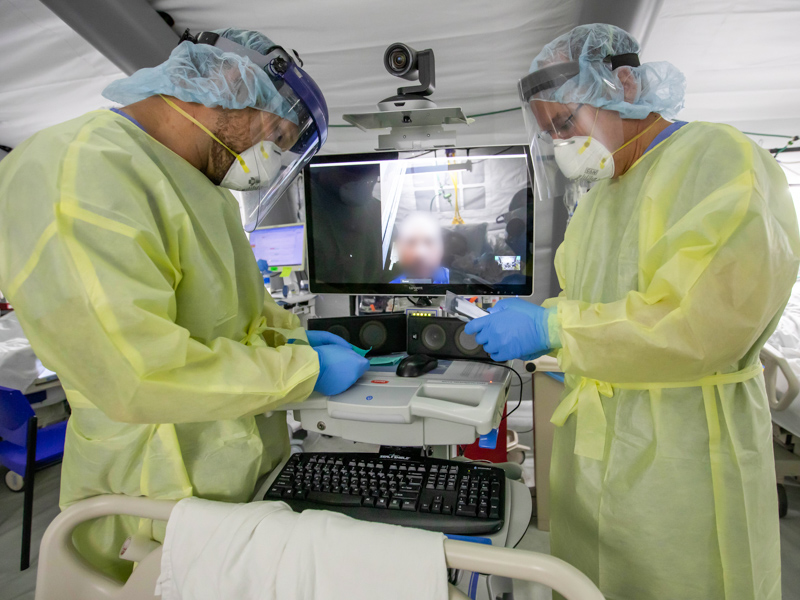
773 362
64 574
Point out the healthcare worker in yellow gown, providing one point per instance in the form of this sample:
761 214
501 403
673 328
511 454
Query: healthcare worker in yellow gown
133 278
675 269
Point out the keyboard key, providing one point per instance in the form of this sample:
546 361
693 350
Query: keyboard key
395 504
382 503
494 513
468 510
410 505
447 508
405 495
483 513
425 506
333 499
369 501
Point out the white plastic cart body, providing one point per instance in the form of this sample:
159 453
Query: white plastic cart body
63 574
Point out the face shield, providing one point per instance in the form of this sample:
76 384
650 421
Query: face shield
285 140
569 142
573 144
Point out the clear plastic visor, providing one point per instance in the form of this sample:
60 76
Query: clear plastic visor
551 124
296 138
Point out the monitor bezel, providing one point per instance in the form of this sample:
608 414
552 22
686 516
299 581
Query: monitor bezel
407 289
304 246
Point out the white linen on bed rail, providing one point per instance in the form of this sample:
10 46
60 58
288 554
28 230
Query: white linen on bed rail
264 551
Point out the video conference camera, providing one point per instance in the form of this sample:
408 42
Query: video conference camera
401 60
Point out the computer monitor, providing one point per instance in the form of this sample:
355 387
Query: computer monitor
281 246
421 223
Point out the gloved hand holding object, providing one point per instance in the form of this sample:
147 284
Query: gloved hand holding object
326 338
339 367
514 329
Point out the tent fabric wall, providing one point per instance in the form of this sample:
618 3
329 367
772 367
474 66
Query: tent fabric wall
741 59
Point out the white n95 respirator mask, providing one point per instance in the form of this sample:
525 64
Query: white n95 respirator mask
255 168
583 157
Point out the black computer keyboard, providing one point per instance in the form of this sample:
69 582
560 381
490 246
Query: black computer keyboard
428 493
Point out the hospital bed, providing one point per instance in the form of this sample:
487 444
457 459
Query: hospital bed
782 389
64 574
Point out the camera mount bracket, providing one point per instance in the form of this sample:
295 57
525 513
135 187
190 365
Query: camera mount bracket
412 129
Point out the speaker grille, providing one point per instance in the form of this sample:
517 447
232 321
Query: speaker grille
341 331
442 337
373 334
385 333
433 337
466 342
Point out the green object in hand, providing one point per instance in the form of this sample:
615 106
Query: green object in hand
360 351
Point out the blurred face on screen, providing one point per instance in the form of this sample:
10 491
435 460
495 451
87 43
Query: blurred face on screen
420 246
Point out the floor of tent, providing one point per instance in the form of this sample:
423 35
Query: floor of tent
16 585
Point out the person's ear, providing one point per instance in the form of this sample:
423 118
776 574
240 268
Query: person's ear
630 83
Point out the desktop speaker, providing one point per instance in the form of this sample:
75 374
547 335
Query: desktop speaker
442 337
385 334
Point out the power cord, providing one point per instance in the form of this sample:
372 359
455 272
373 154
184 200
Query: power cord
514 371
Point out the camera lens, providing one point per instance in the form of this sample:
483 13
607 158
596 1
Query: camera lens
401 61
398 59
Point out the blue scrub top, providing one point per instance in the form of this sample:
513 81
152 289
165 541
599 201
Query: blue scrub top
130 118
665 134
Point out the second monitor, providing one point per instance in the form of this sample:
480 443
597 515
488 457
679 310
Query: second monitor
421 223
281 246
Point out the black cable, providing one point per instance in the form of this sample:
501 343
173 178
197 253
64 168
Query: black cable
776 151
520 539
421 302
514 371
6 148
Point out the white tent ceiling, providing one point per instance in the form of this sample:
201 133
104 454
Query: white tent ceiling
741 58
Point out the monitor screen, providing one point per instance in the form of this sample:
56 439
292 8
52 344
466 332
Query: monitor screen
280 246
421 223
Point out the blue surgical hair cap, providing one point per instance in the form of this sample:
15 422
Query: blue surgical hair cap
659 86
206 75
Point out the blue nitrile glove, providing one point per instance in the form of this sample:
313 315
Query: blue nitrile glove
339 368
322 338
263 266
514 329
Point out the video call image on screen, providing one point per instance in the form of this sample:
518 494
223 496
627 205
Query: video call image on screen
432 219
